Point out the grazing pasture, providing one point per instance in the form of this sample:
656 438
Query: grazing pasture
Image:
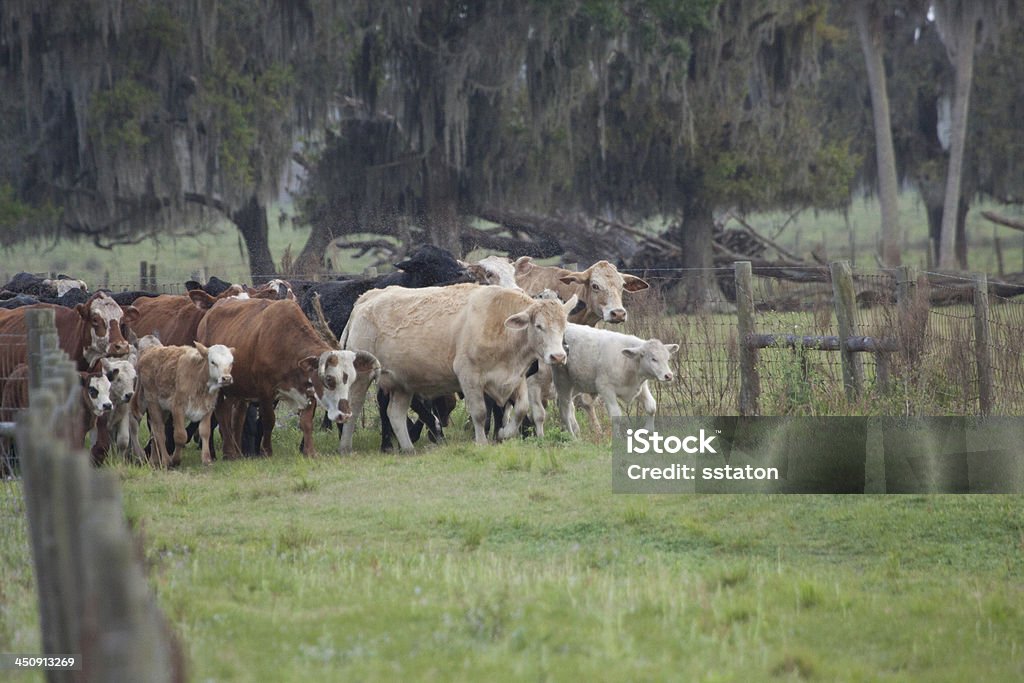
517 561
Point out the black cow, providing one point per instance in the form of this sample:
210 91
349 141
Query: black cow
427 266
214 286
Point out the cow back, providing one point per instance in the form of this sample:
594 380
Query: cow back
173 318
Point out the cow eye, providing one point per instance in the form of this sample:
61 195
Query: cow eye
595 287
329 382
93 392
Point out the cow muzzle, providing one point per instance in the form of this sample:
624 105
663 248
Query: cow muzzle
667 377
616 315
118 349
344 413
226 381
556 358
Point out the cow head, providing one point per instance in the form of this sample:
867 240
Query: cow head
219 360
651 358
122 376
96 392
429 266
107 323
544 322
332 375
602 286
494 270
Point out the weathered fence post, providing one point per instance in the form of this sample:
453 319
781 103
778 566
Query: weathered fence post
982 343
143 274
370 271
94 601
846 311
152 277
750 384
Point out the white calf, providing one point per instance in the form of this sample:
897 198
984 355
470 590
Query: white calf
612 365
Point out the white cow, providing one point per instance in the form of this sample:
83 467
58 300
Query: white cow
613 366
471 338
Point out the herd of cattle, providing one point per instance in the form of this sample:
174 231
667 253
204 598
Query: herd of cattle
506 336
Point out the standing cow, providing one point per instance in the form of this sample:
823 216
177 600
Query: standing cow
612 365
599 288
185 382
479 340
279 356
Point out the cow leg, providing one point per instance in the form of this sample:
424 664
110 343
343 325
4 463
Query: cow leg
428 417
205 429
589 404
306 426
649 404
160 456
225 412
476 406
387 434
611 402
566 408
538 413
521 400
101 442
495 416
267 417
397 412
357 399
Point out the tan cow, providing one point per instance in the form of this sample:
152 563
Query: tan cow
185 382
599 288
438 340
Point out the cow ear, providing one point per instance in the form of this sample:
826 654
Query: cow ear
519 321
201 299
365 362
523 265
672 348
574 279
84 378
192 285
83 310
633 284
633 352
569 305
131 314
408 265
309 364
201 348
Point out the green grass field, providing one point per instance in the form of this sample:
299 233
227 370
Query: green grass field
517 562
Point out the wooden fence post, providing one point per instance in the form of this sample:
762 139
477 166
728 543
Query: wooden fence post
750 383
846 311
143 274
982 343
94 600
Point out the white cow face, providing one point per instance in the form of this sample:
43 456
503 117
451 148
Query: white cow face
494 270
544 322
332 375
96 390
652 359
122 376
219 360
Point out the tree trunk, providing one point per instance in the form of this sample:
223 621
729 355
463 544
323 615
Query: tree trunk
697 290
441 205
964 65
251 220
885 157
311 259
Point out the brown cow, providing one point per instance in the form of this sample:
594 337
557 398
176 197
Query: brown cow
279 356
185 382
86 332
174 318
599 288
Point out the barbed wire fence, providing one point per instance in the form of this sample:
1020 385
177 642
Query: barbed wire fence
923 343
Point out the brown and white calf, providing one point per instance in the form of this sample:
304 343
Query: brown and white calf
184 381
95 399
117 426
